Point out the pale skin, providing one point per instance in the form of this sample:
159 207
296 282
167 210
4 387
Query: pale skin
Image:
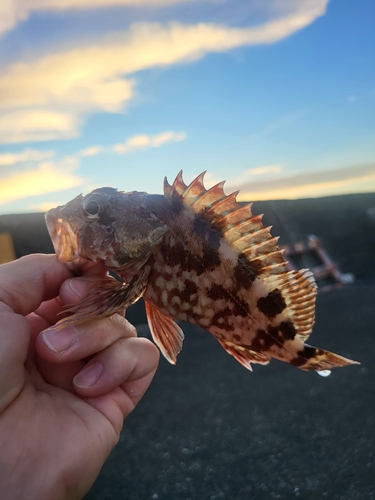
63 393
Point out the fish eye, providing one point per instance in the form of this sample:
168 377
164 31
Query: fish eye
95 206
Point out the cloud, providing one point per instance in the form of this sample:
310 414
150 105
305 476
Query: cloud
135 142
148 141
281 123
248 177
91 151
63 88
14 11
29 155
94 4
44 207
45 178
37 125
268 169
251 173
359 178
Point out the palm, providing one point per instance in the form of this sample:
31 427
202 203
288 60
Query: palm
60 421
54 432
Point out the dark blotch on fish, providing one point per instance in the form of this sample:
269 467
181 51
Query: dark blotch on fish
273 304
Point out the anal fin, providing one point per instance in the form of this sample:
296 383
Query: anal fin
244 355
166 333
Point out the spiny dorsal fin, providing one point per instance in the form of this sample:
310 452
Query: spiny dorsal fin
243 231
194 190
195 194
178 187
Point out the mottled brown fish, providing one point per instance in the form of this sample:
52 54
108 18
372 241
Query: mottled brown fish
194 255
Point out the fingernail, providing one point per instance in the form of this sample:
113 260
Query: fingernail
78 286
89 375
60 340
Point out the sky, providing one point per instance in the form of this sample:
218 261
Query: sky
277 97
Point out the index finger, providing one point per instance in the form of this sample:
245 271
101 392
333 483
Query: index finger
27 282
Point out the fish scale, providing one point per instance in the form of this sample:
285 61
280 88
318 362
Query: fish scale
194 255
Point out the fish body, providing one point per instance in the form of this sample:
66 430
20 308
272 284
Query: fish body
194 255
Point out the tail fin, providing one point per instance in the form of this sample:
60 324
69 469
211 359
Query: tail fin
313 358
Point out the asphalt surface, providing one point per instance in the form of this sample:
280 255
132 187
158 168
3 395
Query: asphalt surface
209 429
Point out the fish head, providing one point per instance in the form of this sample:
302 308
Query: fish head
83 229
108 226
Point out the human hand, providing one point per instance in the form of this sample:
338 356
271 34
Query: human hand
63 393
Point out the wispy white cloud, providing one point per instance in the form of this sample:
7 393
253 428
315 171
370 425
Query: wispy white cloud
148 141
45 178
247 177
47 98
351 179
252 174
44 207
267 169
94 4
14 11
91 151
26 156
281 123
135 142
26 125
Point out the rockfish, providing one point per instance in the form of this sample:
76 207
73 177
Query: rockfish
194 255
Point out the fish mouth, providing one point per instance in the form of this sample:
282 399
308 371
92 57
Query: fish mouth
64 240
65 243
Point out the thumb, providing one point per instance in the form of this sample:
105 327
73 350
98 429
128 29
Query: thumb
14 343
25 283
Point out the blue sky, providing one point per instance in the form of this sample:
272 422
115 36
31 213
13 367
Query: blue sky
275 96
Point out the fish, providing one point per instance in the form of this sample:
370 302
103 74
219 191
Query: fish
194 255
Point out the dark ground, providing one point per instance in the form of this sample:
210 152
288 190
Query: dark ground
209 429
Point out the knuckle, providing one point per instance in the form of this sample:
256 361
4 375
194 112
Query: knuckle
126 329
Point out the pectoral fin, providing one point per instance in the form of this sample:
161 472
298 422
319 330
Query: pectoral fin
167 335
106 296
